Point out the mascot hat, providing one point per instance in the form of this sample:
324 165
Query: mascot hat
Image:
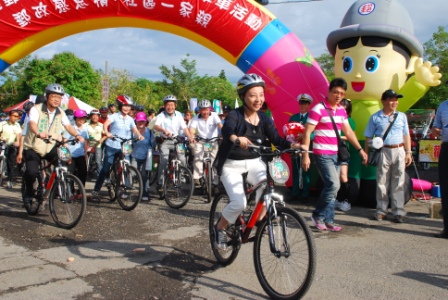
381 18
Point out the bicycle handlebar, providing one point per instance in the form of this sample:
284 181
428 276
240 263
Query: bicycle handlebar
58 142
124 140
213 139
268 151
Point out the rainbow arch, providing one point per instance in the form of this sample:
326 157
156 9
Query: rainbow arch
241 31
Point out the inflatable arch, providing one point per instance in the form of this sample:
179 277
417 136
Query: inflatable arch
241 31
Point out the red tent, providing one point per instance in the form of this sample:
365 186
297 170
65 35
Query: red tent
18 106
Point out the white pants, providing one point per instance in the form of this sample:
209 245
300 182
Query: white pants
232 180
390 175
198 151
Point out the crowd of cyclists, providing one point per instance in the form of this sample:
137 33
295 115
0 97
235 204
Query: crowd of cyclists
24 133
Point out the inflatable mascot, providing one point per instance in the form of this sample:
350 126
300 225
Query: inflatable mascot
375 49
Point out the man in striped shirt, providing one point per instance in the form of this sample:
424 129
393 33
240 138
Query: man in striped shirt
325 150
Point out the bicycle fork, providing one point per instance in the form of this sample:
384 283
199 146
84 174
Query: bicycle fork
270 200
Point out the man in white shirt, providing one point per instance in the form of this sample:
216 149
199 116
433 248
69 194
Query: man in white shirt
169 123
205 125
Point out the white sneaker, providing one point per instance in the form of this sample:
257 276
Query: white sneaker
145 198
124 196
345 205
337 204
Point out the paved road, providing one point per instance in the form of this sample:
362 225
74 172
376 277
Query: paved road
367 260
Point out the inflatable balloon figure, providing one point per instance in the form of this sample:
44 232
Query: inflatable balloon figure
375 49
293 131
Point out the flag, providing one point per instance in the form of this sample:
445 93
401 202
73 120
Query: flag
236 103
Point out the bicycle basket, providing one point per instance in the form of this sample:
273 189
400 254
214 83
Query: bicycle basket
180 148
64 153
279 171
126 148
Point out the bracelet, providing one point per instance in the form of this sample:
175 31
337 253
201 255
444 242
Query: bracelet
360 149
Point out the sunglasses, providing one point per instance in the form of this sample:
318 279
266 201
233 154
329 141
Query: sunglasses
304 102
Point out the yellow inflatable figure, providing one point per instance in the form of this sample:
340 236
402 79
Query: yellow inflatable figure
375 49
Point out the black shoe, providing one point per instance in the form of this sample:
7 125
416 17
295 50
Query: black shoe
27 201
399 219
442 235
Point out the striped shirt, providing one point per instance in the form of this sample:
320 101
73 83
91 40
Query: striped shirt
325 139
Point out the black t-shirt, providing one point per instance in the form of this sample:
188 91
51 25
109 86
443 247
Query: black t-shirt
255 135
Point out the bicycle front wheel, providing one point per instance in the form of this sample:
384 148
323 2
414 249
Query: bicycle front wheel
289 272
130 191
67 201
36 203
208 181
227 256
178 187
2 170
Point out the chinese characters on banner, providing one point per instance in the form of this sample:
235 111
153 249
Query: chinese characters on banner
20 19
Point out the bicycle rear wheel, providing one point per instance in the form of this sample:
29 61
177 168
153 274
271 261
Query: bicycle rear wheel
35 205
178 187
224 257
130 192
287 274
111 185
208 181
67 201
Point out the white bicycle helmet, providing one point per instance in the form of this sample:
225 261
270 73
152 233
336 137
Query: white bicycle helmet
169 98
248 81
204 104
54 88
124 100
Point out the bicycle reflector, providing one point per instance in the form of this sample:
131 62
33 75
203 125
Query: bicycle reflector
127 148
180 148
64 153
279 170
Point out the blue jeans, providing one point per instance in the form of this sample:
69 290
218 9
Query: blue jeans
140 164
109 156
328 168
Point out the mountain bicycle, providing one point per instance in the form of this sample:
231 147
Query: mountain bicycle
208 174
284 247
3 163
92 166
178 182
125 182
66 194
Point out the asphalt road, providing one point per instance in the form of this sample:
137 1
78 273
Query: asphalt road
101 259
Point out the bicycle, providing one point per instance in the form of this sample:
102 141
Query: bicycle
177 181
66 194
207 179
92 166
3 164
284 247
125 182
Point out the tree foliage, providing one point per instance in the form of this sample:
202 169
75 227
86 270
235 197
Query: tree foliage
436 51
326 63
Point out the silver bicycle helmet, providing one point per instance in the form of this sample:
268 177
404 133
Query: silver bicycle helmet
170 98
248 81
54 88
204 104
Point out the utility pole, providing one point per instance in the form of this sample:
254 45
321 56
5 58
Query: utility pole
105 86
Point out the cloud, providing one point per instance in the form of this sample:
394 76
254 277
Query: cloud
142 51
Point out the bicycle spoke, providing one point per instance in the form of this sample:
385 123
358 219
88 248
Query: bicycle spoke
131 190
178 187
67 202
289 271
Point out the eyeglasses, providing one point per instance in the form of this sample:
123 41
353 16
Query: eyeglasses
16 116
304 102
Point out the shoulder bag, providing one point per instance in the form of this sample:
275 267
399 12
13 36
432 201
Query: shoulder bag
374 156
343 151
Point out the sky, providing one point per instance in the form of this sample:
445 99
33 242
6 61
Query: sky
142 51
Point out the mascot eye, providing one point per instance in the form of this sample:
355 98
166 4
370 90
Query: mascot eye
372 63
347 64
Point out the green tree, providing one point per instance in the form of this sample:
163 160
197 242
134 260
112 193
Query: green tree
326 63
436 51
12 79
180 81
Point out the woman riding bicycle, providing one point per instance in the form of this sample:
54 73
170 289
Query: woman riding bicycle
121 124
244 126
78 150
